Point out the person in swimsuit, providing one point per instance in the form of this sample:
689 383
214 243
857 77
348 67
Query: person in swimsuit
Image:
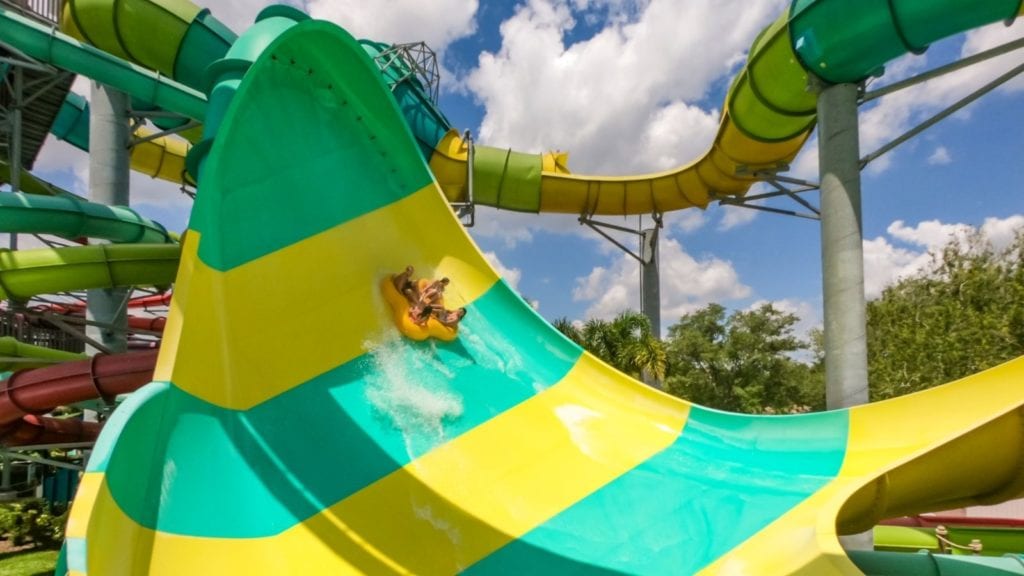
405 285
434 292
450 318
420 313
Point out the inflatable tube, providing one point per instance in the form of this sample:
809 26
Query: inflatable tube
400 309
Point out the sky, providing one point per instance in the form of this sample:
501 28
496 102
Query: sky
633 86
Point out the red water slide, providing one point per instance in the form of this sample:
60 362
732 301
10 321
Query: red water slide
26 395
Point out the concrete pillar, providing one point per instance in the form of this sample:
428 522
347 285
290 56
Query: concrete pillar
650 282
650 290
108 184
842 258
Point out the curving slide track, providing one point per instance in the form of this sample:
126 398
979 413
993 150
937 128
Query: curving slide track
265 447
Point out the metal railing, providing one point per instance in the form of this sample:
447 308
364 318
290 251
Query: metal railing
21 328
45 10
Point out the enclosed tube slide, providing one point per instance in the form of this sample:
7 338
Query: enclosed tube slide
27 273
768 113
68 218
27 395
13 349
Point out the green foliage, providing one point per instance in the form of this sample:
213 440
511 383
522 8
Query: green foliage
960 315
31 562
33 521
743 362
625 342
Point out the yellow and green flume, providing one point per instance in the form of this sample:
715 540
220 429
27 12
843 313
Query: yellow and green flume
292 431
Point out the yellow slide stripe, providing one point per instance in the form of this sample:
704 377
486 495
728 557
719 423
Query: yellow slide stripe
445 511
316 292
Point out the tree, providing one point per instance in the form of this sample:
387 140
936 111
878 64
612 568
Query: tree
961 314
625 342
743 362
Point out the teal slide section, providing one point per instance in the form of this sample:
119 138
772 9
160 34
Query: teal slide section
72 219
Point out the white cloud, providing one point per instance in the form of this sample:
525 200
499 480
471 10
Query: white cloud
686 221
438 22
940 156
511 275
686 284
885 263
622 100
735 217
929 234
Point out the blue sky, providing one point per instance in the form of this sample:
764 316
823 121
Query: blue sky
634 86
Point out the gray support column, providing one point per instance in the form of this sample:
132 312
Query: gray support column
650 289
842 259
842 248
108 184
650 282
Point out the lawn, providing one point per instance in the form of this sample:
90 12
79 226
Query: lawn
28 562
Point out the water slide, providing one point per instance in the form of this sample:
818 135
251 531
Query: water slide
264 447
27 395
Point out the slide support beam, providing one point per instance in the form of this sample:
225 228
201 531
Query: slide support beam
842 248
109 165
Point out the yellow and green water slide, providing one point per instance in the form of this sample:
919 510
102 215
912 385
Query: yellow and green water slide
268 447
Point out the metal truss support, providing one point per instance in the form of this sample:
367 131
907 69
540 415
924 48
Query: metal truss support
650 277
156 135
776 181
8 455
949 111
420 62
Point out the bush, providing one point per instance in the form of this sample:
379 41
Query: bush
33 521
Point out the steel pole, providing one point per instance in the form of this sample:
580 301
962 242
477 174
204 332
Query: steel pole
842 258
16 136
108 184
842 248
650 290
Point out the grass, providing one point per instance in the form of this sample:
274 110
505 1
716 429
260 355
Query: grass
30 562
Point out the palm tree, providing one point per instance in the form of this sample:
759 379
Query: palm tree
625 342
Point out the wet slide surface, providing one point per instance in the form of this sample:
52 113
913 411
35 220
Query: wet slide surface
265 447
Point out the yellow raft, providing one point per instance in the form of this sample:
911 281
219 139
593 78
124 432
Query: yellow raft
400 311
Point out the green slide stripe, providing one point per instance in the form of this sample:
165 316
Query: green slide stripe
719 463
279 112
506 179
379 411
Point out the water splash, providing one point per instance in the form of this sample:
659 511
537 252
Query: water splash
410 388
